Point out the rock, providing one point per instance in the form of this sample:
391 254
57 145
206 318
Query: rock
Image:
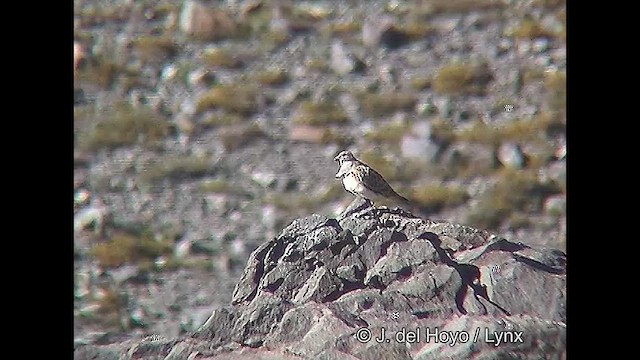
264 179
81 197
469 157
382 31
373 28
182 248
323 282
94 215
444 106
269 216
184 124
308 133
504 46
511 155
169 73
426 108
561 152
555 205
202 22
123 273
417 144
79 97
342 62
540 45
79 56
201 77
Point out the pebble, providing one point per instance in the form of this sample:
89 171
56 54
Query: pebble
182 248
169 73
561 152
425 108
523 48
123 273
504 45
417 143
78 56
93 214
265 179
81 196
555 205
306 133
540 45
373 28
199 20
342 62
200 77
511 155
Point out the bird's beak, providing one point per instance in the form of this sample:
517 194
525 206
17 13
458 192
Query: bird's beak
335 158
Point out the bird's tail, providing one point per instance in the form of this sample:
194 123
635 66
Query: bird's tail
403 201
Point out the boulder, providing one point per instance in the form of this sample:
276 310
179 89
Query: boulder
379 283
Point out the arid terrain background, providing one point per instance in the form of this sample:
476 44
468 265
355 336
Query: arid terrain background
204 128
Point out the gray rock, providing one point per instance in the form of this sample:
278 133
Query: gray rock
265 179
94 214
555 205
511 155
201 21
123 273
373 28
312 290
417 144
342 62
540 45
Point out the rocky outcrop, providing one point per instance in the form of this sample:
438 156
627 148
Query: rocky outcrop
380 283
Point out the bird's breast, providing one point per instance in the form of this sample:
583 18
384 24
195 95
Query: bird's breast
351 184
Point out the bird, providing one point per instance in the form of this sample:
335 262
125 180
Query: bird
363 181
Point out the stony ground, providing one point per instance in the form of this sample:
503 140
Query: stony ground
202 129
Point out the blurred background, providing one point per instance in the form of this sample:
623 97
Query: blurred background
203 128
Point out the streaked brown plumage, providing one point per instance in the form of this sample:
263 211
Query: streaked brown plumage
360 179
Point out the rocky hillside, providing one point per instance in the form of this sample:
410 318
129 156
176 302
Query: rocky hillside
203 128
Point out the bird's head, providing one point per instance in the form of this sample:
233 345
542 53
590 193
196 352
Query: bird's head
344 156
346 160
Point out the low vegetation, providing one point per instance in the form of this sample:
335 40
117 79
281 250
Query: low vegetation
233 137
223 119
537 129
129 248
384 104
514 191
123 125
154 48
530 29
294 203
436 197
389 133
343 29
221 58
236 99
435 7
176 168
420 83
319 113
97 14
272 77
214 186
459 78
556 86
